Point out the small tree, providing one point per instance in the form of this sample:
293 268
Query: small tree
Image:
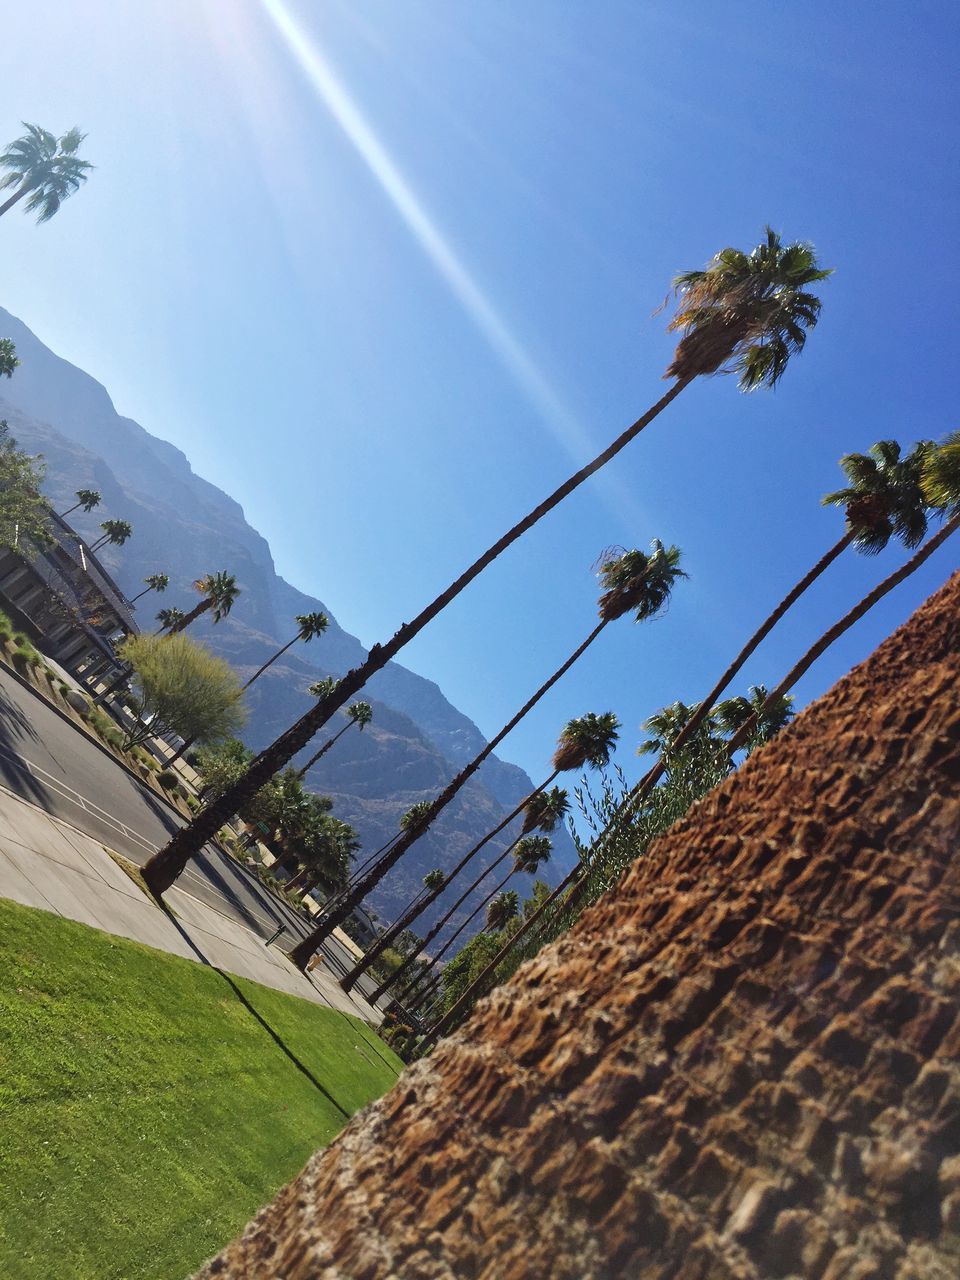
220 764
23 510
180 687
8 357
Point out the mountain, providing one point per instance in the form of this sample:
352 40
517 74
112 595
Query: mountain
184 526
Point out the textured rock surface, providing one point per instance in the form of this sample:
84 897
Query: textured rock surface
743 1063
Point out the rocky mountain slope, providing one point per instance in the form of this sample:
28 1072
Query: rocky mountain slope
741 1064
185 526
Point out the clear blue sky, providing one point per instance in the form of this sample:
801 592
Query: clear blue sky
386 271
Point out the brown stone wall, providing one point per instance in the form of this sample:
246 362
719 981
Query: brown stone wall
742 1063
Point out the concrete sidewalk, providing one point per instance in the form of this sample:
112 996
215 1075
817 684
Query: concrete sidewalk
46 863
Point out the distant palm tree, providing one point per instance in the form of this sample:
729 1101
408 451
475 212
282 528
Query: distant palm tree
309 626
883 499
86 498
504 908
169 618
766 716
155 582
219 591
43 167
115 532
587 740
728 315
8 358
542 810
360 714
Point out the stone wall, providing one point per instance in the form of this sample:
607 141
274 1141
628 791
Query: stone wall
742 1063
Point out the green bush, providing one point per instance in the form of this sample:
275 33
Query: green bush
168 780
6 634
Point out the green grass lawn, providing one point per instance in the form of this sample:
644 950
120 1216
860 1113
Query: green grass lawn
149 1105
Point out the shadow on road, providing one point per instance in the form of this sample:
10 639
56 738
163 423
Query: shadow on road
277 1039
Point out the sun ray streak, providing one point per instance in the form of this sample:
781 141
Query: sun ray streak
557 416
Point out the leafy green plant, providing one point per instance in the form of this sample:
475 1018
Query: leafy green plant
168 780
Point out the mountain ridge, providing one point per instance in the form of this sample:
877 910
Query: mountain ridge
185 525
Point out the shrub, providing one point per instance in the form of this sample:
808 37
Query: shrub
6 635
168 779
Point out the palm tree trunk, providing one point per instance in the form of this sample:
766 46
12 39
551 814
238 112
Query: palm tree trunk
270 661
139 594
844 624
192 616
448 1018
323 750
386 938
70 510
409 915
169 862
653 776
17 195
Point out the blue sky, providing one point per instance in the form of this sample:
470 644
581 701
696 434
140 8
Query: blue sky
388 271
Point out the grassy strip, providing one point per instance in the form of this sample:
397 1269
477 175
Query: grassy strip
149 1105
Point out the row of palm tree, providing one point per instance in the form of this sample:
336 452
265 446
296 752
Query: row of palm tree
886 497
633 581
729 718
744 313
939 488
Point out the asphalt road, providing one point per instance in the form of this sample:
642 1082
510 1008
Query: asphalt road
48 761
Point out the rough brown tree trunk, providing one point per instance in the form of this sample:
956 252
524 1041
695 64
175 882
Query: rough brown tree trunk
741 1063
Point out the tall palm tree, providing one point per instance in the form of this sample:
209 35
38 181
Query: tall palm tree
86 498
219 591
115 532
633 581
529 855
768 707
587 740
765 715
742 306
309 626
157 582
504 908
883 499
43 167
359 714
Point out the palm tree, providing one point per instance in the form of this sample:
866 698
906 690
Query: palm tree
940 481
884 498
504 908
529 854
769 705
155 582
632 581
309 625
8 358
115 532
45 168
587 740
744 302
766 715
219 591
169 618
86 498
358 713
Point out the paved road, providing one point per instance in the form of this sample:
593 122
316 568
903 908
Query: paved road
43 758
